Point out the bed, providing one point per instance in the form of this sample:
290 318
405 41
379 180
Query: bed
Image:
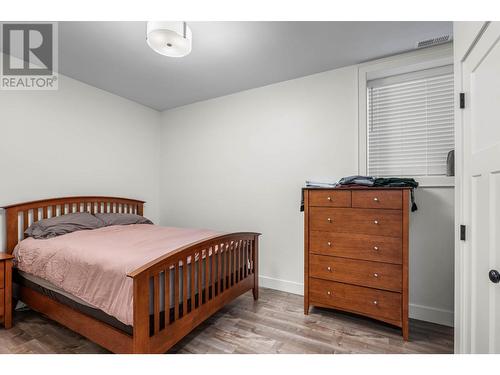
172 292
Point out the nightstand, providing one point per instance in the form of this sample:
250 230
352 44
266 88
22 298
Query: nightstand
6 290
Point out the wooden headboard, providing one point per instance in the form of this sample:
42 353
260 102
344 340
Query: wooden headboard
20 216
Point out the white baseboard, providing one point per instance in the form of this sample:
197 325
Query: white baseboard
432 314
420 312
283 285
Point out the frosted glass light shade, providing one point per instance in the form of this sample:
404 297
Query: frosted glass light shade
172 39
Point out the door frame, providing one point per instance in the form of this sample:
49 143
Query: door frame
462 202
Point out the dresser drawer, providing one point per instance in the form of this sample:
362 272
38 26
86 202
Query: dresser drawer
330 198
373 302
356 220
356 246
2 275
388 199
360 272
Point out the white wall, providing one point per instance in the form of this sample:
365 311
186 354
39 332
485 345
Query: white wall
77 140
238 163
432 255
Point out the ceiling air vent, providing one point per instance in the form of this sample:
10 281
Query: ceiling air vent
433 41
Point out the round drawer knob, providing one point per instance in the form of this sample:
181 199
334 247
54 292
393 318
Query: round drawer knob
329 219
329 269
329 198
375 275
329 244
375 248
375 222
375 199
329 293
375 302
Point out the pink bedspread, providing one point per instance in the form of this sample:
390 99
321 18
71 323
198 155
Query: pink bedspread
93 264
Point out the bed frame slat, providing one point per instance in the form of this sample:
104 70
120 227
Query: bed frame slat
156 302
230 265
222 280
213 271
200 278
25 220
184 286
208 262
192 289
236 262
176 291
242 261
219 270
251 262
227 278
245 261
166 296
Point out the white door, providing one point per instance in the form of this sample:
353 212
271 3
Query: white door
480 193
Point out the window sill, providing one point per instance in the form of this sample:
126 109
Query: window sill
436 181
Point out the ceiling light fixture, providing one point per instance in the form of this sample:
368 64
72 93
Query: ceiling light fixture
172 39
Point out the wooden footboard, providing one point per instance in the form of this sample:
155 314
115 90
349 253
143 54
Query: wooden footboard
188 286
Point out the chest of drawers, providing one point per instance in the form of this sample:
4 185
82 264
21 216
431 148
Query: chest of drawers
356 252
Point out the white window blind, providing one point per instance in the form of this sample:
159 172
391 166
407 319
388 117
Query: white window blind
410 123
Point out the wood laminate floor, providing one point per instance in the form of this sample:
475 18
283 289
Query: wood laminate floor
274 324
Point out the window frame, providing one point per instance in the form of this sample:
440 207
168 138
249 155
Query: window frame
410 62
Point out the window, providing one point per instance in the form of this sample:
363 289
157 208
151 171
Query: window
410 123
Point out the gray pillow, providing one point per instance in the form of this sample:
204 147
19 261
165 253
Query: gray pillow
56 226
122 219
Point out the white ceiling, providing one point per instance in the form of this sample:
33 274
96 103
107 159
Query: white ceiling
227 57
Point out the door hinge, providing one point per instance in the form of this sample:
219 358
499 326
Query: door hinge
462 100
463 230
